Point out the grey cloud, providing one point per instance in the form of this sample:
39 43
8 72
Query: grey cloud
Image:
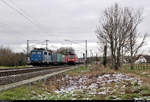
57 20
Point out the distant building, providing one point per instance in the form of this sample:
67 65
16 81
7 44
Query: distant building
143 59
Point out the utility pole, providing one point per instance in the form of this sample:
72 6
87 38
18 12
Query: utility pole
91 53
86 53
96 58
91 57
27 57
27 48
47 44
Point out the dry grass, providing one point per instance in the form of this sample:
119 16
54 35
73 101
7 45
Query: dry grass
138 74
130 91
115 89
91 72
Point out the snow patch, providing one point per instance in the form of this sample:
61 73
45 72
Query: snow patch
92 87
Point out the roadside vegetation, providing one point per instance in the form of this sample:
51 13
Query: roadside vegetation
11 67
9 58
92 83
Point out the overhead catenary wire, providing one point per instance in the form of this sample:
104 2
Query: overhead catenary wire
19 12
22 12
25 13
77 43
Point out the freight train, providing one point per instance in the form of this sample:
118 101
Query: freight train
48 57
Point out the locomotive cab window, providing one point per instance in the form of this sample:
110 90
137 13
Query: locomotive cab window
33 53
45 53
71 56
39 53
49 53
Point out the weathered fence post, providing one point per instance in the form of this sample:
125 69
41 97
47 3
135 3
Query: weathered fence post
40 81
45 81
146 65
29 86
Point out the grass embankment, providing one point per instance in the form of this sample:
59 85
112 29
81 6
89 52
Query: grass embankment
24 92
90 83
9 67
141 73
37 91
116 89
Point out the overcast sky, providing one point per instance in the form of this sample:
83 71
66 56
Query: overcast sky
57 20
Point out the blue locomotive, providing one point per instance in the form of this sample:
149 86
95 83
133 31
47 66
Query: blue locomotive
40 56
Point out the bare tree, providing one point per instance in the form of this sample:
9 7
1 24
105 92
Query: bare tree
115 29
66 50
132 44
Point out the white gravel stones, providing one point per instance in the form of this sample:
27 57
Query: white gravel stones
93 85
145 73
80 83
102 93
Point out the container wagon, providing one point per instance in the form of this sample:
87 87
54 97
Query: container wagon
54 58
63 59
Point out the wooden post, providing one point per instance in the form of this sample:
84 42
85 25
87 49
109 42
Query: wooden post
29 86
40 81
45 81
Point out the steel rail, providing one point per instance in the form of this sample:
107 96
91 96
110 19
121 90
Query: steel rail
25 70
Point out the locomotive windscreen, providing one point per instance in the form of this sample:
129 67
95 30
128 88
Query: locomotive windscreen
39 53
71 56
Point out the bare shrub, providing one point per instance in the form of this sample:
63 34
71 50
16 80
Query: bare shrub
9 58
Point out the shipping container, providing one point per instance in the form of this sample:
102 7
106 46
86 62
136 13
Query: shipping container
54 58
59 58
63 59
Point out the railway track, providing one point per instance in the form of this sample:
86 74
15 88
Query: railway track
12 76
7 72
